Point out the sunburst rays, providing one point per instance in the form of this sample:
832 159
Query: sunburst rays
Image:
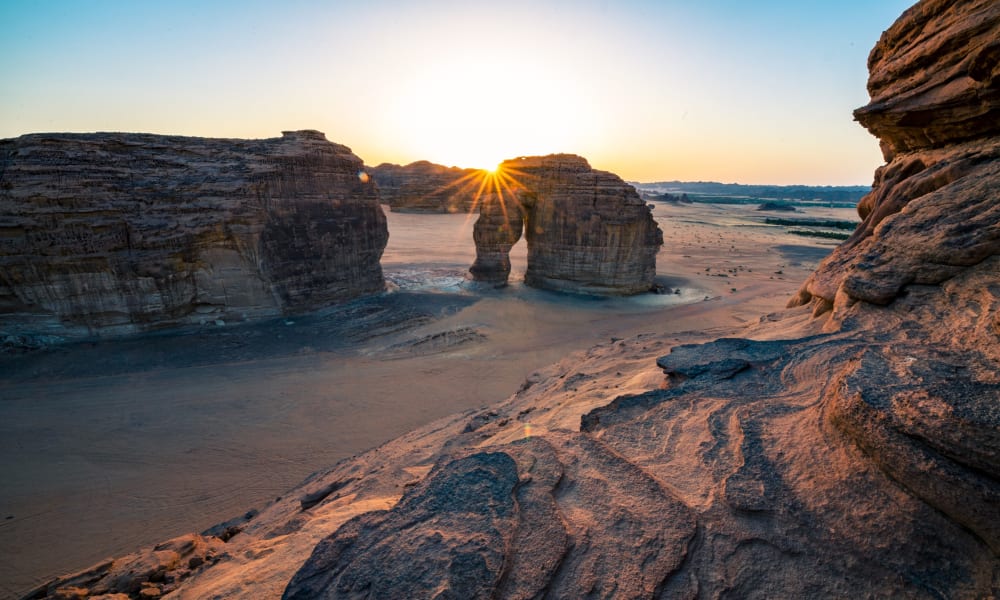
500 185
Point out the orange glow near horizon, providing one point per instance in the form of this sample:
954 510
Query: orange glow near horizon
651 91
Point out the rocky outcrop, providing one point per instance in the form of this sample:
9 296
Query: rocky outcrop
114 233
587 231
756 468
149 573
935 89
423 186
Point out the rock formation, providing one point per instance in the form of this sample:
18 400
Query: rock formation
935 106
853 455
423 186
113 233
587 231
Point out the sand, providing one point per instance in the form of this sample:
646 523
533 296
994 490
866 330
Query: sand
112 446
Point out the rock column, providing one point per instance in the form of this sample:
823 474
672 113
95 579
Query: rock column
498 228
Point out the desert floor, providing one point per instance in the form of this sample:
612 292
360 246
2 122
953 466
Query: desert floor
109 446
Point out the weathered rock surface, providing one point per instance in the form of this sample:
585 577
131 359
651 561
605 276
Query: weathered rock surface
935 89
759 468
587 231
458 523
113 233
146 574
501 522
423 186
934 77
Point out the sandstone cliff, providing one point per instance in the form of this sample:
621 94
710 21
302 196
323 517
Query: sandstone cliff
587 231
113 233
423 186
853 455
935 106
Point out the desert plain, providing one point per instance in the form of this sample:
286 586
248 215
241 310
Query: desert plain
114 445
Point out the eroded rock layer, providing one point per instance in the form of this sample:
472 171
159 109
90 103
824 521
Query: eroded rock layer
587 231
935 89
112 233
423 186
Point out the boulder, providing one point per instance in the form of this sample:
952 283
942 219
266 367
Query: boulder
500 524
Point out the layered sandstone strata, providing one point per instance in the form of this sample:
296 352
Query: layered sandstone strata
423 186
935 106
587 231
114 233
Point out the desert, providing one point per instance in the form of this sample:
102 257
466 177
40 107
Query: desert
232 369
218 425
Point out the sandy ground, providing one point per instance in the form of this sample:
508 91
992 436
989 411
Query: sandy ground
108 447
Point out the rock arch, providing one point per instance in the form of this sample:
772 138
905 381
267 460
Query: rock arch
587 231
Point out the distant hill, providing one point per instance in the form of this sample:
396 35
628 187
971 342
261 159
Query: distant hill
735 193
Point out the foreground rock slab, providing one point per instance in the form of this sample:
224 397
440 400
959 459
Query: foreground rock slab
118 233
535 517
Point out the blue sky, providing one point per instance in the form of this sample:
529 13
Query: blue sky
755 92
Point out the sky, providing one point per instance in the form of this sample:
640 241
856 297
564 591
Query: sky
713 90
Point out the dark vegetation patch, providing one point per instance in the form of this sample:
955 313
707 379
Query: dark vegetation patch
826 223
829 235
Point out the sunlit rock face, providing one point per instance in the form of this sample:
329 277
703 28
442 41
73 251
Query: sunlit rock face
423 186
587 231
935 89
116 233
